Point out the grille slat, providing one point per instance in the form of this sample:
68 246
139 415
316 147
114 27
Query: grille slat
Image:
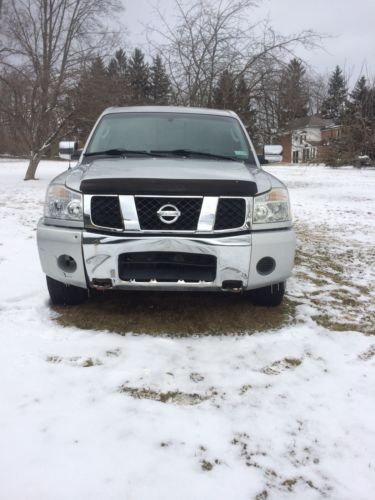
106 212
231 213
147 209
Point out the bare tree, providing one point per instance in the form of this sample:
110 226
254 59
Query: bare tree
45 44
317 87
210 37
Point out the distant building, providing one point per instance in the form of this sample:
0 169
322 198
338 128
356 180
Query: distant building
307 139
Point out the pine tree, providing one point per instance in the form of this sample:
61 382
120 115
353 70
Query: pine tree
225 91
293 93
117 66
359 97
233 93
160 84
117 70
90 97
333 107
360 119
139 78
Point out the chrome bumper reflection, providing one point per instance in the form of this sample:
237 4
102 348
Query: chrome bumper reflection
96 257
101 255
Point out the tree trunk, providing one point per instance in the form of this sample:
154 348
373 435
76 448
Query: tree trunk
33 165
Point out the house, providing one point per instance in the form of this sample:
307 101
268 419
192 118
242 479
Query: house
308 139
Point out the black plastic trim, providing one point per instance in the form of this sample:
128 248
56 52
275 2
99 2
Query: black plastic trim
175 187
167 266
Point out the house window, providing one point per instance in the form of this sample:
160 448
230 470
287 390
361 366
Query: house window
306 154
295 156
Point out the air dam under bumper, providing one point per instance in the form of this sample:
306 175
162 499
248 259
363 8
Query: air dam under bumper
96 257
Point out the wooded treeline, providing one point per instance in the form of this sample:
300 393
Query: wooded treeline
61 65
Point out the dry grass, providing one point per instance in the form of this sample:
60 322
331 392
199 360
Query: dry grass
176 397
341 296
281 365
178 314
369 354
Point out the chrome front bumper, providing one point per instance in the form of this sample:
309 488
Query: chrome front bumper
96 256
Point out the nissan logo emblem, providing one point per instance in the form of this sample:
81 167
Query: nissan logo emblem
168 214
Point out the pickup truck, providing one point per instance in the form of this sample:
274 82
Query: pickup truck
166 198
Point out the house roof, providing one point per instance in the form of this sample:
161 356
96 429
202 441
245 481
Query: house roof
314 121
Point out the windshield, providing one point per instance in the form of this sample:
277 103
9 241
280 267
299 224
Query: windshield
171 133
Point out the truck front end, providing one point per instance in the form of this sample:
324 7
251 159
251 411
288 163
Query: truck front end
167 199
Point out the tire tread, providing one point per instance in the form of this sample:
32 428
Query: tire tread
65 295
269 296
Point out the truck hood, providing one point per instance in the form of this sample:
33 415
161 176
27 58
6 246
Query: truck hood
168 176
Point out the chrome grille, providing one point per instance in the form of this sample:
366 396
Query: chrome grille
147 208
231 213
140 213
106 212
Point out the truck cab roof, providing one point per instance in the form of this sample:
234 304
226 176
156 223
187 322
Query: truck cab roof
169 109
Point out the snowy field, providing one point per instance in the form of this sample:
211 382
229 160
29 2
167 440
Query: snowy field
283 413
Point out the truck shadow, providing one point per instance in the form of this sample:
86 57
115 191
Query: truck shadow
175 314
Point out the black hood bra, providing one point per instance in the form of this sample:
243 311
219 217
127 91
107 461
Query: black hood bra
180 187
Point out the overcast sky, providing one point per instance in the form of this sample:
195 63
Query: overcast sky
350 22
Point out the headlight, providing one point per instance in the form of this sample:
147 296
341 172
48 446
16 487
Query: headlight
272 207
61 203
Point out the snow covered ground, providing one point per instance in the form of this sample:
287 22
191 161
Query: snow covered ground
284 413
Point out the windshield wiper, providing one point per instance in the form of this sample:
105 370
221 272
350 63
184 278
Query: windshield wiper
123 152
190 152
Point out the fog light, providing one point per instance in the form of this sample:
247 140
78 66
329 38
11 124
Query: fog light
67 264
266 266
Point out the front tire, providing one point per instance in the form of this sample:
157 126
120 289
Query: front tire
65 295
270 296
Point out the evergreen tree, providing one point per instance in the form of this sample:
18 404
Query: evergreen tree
139 78
293 93
233 93
359 97
117 70
360 119
160 84
90 97
225 92
333 107
117 66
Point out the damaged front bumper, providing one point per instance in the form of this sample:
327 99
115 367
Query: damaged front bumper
87 259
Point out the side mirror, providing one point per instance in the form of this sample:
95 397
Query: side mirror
68 150
262 160
273 153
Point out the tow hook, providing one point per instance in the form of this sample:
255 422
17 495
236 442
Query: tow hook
232 286
101 284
